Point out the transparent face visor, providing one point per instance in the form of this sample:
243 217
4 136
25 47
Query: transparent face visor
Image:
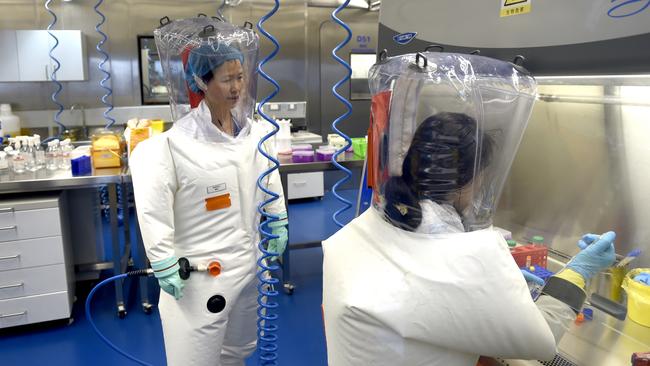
204 59
451 136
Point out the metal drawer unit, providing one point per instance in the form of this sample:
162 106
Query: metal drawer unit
305 185
36 267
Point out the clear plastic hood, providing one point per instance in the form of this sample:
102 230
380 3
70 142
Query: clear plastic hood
445 128
208 59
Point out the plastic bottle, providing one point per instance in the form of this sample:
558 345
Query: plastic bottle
27 152
9 121
4 161
538 240
39 154
18 159
9 151
52 155
64 154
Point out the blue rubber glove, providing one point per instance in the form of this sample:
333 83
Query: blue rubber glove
279 228
166 271
597 254
529 277
643 278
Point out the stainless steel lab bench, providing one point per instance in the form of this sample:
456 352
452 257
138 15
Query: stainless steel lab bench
603 341
348 160
45 180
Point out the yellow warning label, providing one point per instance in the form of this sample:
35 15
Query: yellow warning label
514 7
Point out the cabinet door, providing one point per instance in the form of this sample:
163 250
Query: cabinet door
33 55
34 61
71 53
8 56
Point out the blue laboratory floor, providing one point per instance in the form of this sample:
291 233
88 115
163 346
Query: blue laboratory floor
302 339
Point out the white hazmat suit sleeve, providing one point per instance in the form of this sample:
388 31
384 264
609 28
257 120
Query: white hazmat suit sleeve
154 186
557 314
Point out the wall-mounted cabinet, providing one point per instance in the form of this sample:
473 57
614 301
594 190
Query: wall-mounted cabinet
24 55
8 58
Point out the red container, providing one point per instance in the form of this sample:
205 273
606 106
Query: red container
538 255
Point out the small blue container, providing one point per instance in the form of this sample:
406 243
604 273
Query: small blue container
540 272
81 166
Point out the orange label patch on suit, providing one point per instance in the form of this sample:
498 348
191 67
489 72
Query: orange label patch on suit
218 202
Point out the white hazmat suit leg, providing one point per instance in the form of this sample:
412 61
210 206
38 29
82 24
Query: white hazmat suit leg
175 177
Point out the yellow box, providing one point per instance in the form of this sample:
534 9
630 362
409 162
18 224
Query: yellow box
106 150
157 125
638 297
137 135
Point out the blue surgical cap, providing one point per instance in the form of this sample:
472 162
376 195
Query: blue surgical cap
202 60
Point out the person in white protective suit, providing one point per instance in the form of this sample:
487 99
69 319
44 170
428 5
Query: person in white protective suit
422 278
196 194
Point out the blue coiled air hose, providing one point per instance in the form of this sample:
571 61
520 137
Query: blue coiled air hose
267 326
59 86
348 141
107 74
89 300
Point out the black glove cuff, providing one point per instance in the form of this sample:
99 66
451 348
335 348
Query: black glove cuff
565 291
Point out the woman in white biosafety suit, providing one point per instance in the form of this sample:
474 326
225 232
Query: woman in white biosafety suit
422 278
196 195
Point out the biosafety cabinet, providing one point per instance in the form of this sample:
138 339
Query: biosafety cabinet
36 266
583 164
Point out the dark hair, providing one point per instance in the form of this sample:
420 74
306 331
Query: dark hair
440 160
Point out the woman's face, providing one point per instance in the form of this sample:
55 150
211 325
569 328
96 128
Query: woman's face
227 84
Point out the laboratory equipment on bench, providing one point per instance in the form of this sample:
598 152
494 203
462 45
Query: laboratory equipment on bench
638 297
629 258
530 254
215 303
137 131
302 156
17 158
27 152
541 272
641 359
325 153
283 137
301 147
81 165
10 123
359 146
39 153
64 155
52 155
106 150
4 162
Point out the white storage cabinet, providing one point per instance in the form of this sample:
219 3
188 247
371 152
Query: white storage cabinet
36 268
24 55
305 185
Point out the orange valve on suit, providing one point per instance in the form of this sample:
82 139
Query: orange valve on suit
214 268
